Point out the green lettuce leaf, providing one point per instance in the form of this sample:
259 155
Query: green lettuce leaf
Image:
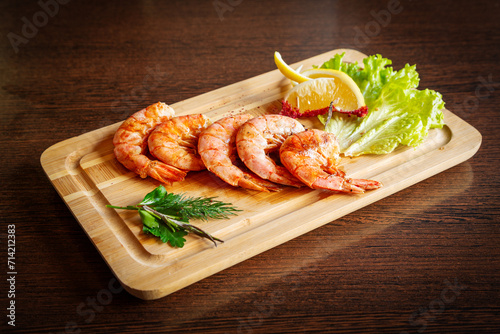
398 113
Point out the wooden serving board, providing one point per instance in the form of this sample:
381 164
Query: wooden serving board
87 176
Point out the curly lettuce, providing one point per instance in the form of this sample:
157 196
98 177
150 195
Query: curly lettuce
398 113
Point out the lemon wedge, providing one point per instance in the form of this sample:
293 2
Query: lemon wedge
314 89
314 95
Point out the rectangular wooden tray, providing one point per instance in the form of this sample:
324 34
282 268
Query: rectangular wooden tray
86 175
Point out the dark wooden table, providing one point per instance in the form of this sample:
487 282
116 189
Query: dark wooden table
429 264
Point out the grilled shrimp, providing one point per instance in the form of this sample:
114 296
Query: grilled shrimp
262 135
312 156
175 142
130 143
216 147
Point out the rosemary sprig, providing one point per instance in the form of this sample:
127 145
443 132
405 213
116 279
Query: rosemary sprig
166 215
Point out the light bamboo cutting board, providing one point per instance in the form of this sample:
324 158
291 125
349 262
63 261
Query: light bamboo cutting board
86 175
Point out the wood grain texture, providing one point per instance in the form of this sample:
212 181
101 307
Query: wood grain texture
94 63
86 174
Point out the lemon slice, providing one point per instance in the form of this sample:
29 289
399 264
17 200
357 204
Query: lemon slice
315 95
287 71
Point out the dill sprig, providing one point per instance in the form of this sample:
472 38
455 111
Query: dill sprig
193 207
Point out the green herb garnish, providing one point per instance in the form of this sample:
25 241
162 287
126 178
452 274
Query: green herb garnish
166 215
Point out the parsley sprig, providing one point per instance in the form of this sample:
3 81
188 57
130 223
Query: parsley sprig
166 215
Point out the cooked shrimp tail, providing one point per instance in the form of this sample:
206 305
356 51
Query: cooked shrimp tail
164 173
334 182
366 184
252 181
